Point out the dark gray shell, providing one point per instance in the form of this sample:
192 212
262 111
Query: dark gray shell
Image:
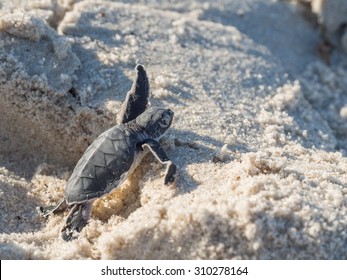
103 166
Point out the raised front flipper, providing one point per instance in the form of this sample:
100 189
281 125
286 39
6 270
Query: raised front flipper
158 151
137 99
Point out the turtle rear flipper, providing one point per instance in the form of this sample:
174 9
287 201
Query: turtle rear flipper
76 220
61 206
137 99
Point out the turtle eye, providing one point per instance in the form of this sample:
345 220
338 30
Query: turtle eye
165 121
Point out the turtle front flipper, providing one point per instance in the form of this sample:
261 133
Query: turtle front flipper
61 206
76 220
137 99
158 151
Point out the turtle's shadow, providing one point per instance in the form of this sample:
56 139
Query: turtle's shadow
109 80
191 148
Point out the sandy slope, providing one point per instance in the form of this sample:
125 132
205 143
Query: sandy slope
258 136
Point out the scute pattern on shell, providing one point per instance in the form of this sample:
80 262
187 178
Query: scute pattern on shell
103 166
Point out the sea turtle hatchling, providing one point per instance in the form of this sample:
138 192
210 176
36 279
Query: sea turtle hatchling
112 156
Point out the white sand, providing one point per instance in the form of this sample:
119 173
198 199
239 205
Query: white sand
259 133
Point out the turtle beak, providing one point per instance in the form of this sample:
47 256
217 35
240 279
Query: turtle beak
170 112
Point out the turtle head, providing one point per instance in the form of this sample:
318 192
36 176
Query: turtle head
155 121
